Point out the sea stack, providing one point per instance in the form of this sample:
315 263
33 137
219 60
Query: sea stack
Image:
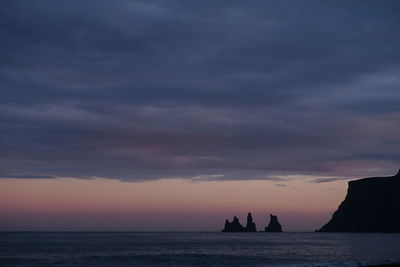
251 226
274 225
371 205
233 226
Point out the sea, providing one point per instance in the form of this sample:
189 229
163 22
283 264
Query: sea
196 249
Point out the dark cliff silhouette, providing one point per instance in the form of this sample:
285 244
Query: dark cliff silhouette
371 205
274 225
235 225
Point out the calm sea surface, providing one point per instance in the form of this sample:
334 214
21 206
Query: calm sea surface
196 249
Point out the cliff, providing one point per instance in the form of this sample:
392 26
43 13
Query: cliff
274 225
371 205
235 225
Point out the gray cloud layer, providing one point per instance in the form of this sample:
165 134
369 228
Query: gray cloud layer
218 89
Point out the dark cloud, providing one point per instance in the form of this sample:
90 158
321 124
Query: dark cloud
138 90
28 176
229 175
328 180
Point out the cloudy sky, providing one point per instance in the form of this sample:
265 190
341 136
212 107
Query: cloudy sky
199 90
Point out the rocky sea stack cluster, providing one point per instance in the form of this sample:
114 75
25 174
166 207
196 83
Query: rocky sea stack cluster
371 205
235 226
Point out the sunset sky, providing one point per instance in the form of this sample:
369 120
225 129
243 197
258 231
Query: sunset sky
175 115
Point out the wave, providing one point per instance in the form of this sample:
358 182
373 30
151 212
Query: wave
195 249
172 259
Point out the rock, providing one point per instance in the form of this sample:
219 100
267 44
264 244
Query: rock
233 226
371 205
251 226
274 225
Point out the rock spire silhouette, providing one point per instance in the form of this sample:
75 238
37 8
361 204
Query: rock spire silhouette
235 225
274 225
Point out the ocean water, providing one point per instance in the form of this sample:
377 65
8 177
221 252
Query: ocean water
196 249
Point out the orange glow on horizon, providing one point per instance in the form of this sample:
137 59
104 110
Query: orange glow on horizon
184 204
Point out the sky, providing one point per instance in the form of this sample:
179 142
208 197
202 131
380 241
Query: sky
121 115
